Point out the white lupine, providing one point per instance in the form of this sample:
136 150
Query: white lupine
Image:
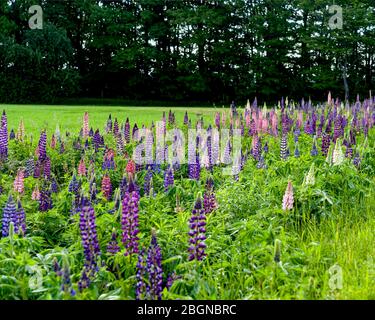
310 177
338 155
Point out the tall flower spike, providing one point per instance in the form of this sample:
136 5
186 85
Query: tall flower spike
197 225
107 187
338 155
113 246
284 147
288 200
154 269
85 128
18 185
4 137
42 153
168 179
20 226
9 215
82 168
309 179
129 219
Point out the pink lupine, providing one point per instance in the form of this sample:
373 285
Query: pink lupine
36 194
86 130
82 168
106 187
18 182
288 199
53 142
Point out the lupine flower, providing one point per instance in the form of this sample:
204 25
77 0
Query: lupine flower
53 142
90 243
97 139
106 187
74 185
66 285
54 186
57 267
62 147
135 132
209 199
338 155
309 179
186 119
113 246
82 168
127 131
297 153
326 141
149 273
45 200
120 144
42 153
29 167
4 137
21 131
197 225
108 127
130 168
284 147
109 162
18 185
147 181
9 215
288 200
85 127
47 168
168 179
20 226
36 194
129 219
314 150
357 160
115 127
12 135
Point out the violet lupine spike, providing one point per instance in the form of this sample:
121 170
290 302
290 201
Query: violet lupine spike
297 153
98 140
326 142
66 285
186 118
113 246
47 168
29 167
74 185
168 179
197 225
154 269
284 148
90 243
127 131
147 181
357 160
115 127
209 199
9 215
135 132
20 226
42 146
140 289
4 137
314 150
129 220
54 186
62 147
107 187
12 135
45 200
108 127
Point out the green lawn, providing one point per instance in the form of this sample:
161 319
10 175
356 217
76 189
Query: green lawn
37 117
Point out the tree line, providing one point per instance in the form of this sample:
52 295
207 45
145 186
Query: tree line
186 50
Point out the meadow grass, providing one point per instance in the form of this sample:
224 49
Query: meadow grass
333 223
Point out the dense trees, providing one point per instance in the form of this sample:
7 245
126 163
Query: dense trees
206 50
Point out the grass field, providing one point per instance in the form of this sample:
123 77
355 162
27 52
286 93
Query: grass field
69 118
332 224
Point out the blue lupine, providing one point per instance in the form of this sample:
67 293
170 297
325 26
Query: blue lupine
197 225
9 215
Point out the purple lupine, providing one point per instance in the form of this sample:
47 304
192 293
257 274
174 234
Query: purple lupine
284 147
115 127
147 181
197 225
4 137
120 144
127 131
108 127
97 139
209 199
57 268
42 146
140 289
186 118
12 135
54 186
297 153
62 147
155 272
168 179
326 142
66 285
29 167
47 168
91 132
45 201
90 243
314 150
113 246
20 226
9 215
195 169
129 219
74 185
135 132
357 160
